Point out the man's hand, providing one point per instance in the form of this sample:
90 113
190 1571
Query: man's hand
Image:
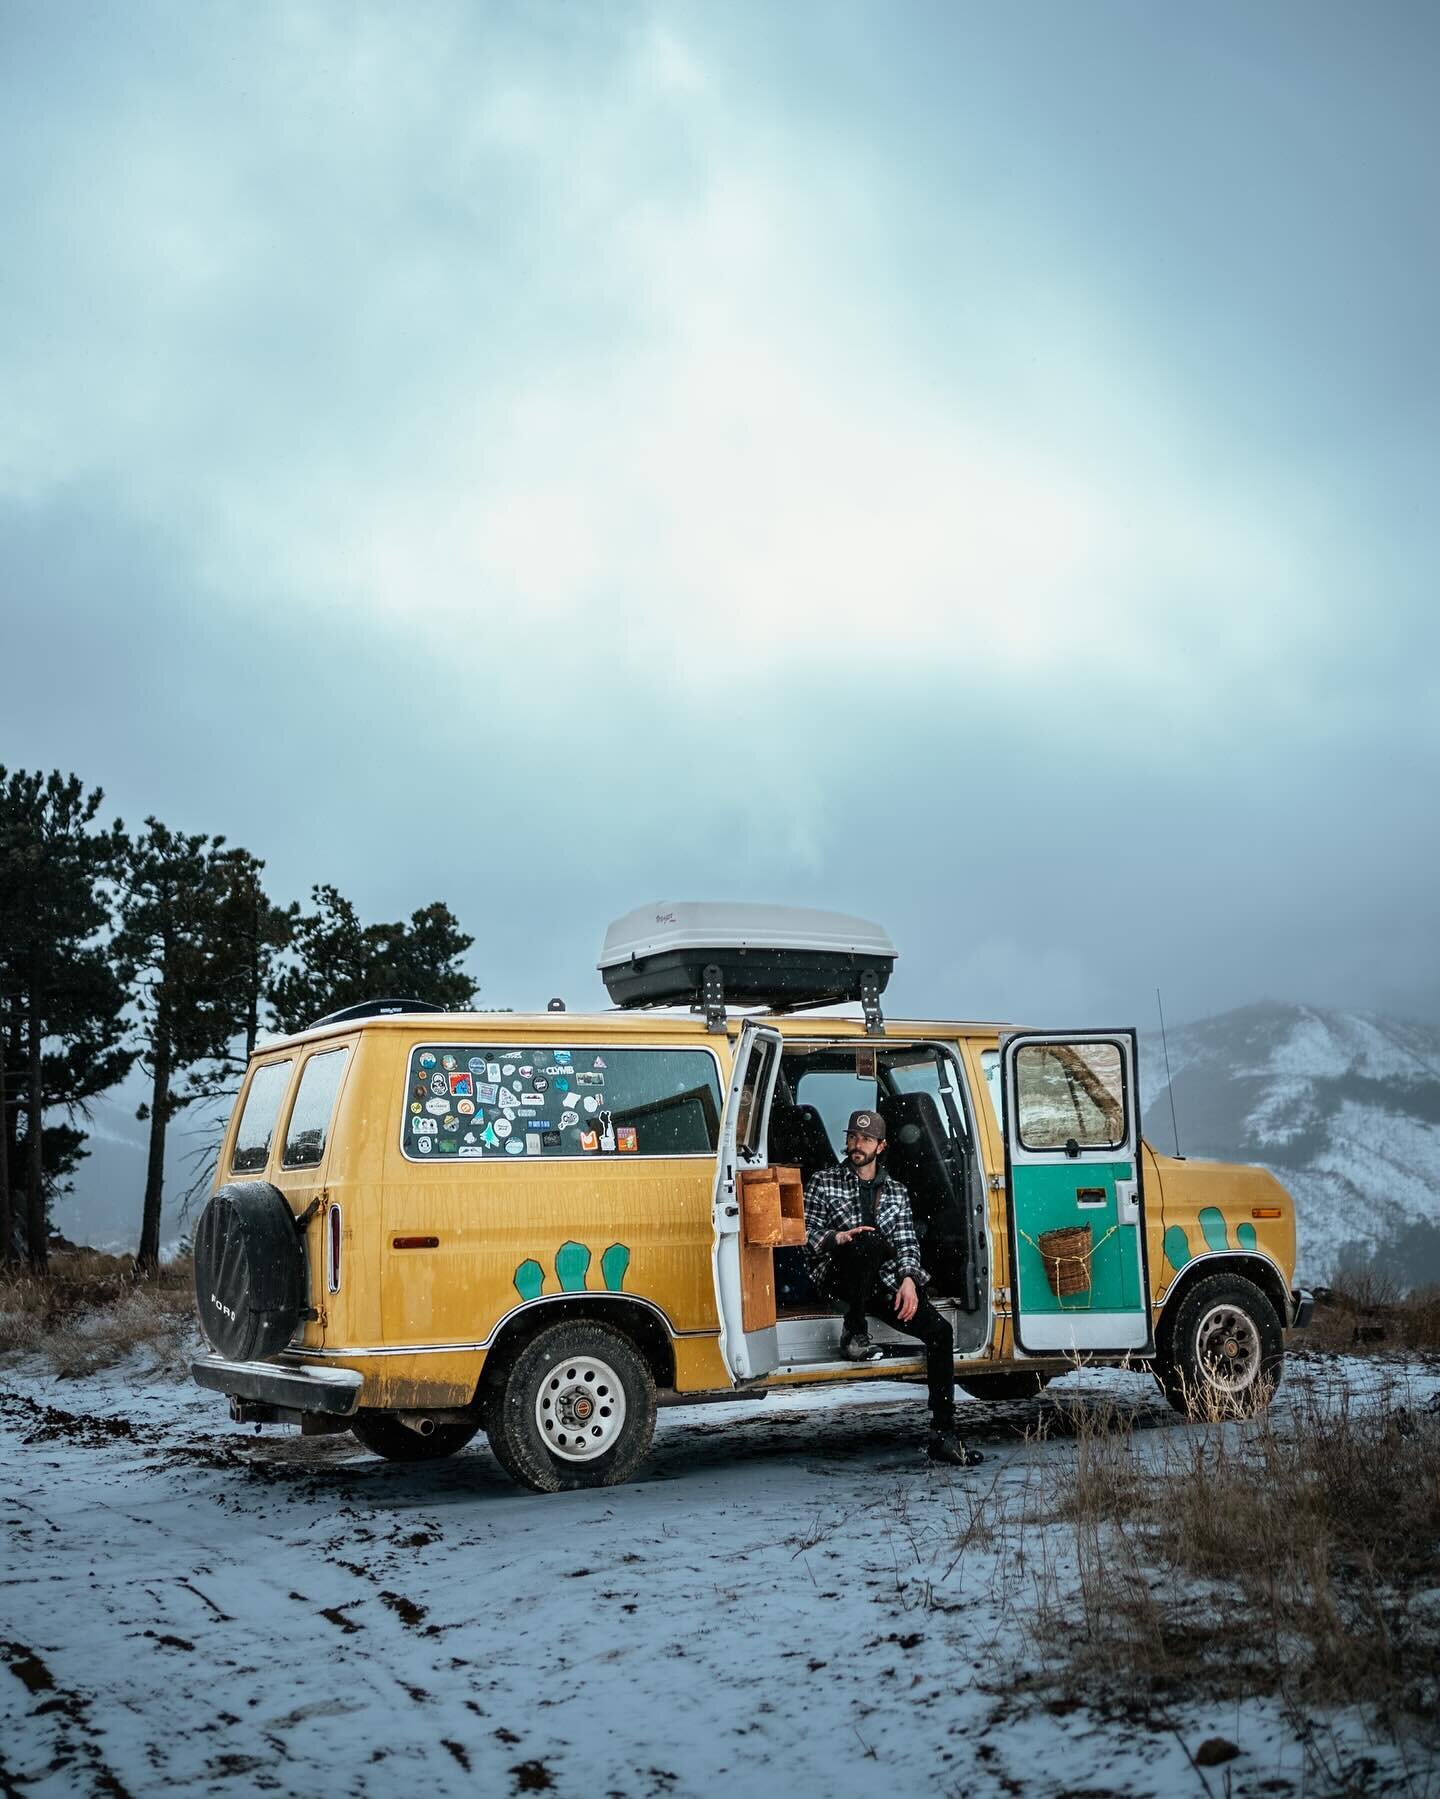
854 1231
907 1300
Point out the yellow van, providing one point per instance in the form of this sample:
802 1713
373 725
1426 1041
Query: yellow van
428 1223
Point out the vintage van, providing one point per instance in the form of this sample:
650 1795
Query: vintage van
428 1223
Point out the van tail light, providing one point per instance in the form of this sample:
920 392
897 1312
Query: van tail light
332 1250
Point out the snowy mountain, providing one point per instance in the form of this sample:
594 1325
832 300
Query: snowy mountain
1343 1108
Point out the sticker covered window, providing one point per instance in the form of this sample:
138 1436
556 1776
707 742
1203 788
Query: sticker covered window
474 1102
257 1121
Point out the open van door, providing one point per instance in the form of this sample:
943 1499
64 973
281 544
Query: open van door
1079 1278
745 1268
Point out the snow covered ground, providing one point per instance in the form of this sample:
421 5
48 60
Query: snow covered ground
790 1599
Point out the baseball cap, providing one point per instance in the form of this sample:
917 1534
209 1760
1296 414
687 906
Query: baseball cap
867 1124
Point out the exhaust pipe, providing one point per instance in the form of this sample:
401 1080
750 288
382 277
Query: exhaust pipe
422 1423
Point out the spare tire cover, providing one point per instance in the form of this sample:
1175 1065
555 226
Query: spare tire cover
249 1271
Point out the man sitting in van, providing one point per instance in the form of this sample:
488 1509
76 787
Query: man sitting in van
863 1252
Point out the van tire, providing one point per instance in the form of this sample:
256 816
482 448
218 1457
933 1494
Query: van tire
1013 1383
250 1274
1224 1355
386 1436
567 1365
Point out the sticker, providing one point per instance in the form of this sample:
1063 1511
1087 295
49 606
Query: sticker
556 1068
503 1127
589 1080
531 1099
599 1062
562 1085
568 1119
465 1107
524 1112
625 1138
532 1143
469 1137
492 1071
488 1137
415 1106
551 1139
591 1103
476 1064
439 1085
865 1064
437 1107
541 1084
486 1090
588 1140
563 1055
513 1054
427 1061
542 1124
514 1147
421 1089
423 1146
450 1123
527 1069
423 1127
607 1132
447 1063
463 1083
508 1069
468 1150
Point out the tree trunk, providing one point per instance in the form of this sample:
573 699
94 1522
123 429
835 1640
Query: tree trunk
149 1258
7 1212
37 1237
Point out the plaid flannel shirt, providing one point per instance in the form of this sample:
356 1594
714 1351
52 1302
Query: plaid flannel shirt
832 1203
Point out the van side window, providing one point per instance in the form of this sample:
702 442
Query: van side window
1070 1091
310 1115
475 1102
257 1121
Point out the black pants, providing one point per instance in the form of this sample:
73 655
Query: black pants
855 1281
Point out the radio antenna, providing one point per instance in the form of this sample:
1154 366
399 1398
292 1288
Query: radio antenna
1169 1083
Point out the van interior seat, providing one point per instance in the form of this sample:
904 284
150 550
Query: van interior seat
921 1156
798 1139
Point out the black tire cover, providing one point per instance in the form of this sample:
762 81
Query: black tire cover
249 1271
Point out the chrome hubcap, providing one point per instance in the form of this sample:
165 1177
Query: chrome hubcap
1228 1349
580 1408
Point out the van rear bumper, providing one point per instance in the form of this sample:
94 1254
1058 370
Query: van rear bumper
290 1385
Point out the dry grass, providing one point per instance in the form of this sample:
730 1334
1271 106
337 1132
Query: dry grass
1365 1313
91 1312
1295 1554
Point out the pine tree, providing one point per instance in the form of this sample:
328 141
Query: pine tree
339 962
191 971
61 999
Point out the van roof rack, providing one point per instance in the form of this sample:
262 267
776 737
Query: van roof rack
376 1008
702 953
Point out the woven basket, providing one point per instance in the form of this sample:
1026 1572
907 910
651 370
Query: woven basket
1066 1255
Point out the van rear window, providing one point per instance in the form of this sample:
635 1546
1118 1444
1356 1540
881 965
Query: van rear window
474 1102
257 1121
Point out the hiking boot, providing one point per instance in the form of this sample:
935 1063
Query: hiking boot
945 1444
856 1346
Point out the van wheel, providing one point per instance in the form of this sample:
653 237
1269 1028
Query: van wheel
383 1435
1225 1352
1014 1383
574 1408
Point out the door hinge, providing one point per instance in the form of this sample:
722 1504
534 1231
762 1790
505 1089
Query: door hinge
997 1183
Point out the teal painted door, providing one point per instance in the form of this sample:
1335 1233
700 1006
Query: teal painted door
1079 1281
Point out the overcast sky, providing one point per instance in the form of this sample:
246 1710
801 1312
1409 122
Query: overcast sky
973 466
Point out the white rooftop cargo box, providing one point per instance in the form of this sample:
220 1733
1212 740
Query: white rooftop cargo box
702 953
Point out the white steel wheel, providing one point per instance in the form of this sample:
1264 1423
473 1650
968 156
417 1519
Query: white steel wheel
580 1408
1224 1350
572 1406
1227 1345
